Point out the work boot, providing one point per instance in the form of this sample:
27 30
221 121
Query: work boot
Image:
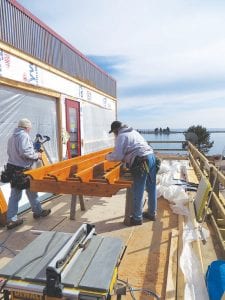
44 213
146 215
12 224
134 222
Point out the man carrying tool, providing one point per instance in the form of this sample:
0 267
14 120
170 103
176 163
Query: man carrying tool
21 156
131 148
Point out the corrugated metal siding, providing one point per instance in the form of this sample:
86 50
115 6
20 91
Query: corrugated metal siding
24 33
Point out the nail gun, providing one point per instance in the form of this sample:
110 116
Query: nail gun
39 141
39 147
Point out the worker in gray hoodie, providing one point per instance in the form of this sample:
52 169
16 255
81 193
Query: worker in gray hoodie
21 156
132 149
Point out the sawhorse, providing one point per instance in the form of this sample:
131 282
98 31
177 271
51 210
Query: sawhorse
74 205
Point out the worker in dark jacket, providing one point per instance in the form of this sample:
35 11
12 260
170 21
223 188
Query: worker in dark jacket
21 156
131 148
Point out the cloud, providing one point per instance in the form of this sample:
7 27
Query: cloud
180 111
110 64
168 57
179 86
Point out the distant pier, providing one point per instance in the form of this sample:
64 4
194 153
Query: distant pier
151 131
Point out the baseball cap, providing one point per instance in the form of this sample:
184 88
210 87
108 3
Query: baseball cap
115 125
24 123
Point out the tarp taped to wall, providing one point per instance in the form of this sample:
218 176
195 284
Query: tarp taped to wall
41 110
97 121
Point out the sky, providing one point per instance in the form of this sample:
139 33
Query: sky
167 56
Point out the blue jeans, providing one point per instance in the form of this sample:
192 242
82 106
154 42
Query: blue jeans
14 199
144 180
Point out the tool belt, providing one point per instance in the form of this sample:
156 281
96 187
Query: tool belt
140 165
16 177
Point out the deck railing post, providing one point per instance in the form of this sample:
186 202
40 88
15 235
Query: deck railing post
213 179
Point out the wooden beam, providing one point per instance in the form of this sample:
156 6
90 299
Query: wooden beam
85 175
90 175
113 175
43 171
3 208
100 189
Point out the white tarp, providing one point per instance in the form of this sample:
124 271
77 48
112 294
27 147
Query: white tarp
41 110
169 173
96 122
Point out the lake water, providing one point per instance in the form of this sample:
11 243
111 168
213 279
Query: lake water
218 138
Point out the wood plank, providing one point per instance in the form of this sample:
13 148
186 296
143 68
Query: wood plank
77 188
69 177
217 231
62 173
42 171
3 209
90 162
94 171
113 175
216 201
171 285
180 275
3 204
71 170
85 175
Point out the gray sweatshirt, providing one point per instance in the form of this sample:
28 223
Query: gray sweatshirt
20 149
129 144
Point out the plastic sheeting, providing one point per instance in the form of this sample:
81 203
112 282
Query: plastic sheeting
195 288
169 173
41 110
176 195
97 121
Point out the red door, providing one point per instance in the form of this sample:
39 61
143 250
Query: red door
73 127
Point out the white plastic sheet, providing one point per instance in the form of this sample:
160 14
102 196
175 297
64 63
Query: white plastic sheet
195 287
96 122
175 194
41 110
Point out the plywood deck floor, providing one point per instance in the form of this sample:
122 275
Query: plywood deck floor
146 259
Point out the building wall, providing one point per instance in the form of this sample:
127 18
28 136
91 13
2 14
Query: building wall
39 71
25 32
97 110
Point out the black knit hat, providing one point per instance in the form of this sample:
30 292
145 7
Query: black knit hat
115 125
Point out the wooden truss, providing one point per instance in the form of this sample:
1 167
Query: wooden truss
90 175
